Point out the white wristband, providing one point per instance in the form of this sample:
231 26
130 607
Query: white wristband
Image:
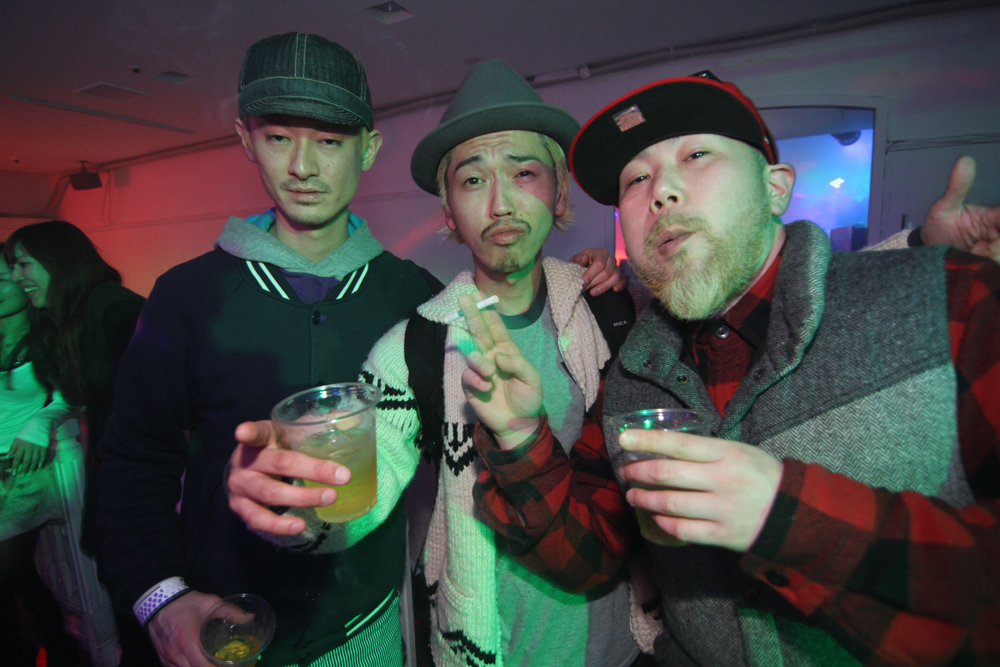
157 596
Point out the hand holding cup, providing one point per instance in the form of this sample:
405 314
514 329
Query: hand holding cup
704 490
236 630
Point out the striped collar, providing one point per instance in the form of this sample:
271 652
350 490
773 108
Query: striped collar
266 280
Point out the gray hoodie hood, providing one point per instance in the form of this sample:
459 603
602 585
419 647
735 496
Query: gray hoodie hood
247 241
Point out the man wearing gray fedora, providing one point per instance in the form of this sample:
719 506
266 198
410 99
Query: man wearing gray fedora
497 160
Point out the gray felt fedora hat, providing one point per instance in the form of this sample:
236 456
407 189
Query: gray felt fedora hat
492 98
304 75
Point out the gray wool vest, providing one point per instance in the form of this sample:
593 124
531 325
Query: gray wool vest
855 374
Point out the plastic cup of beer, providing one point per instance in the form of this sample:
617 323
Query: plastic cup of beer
236 629
698 422
335 422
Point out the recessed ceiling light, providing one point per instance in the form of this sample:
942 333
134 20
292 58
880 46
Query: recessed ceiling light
110 91
174 77
389 12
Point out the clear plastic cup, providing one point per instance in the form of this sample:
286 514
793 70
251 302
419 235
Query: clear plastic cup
335 422
236 630
698 422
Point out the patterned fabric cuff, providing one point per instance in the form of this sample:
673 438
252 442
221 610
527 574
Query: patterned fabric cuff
157 596
486 443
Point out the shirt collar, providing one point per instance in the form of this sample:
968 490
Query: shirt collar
749 316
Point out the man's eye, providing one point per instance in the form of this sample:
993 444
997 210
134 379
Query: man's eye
472 180
525 172
638 179
696 155
330 142
276 138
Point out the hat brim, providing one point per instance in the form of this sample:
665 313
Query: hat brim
533 117
305 108
307 99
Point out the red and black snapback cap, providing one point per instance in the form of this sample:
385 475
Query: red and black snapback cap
696 104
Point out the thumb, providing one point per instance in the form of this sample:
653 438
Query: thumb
963 175
256 434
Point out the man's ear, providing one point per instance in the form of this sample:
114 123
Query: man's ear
243 130
373 142
781 179
562 198
448 219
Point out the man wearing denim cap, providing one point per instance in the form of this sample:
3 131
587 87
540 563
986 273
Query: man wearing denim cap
289 299
845 510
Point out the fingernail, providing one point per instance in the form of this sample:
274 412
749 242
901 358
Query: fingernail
343 475
627 440
328 497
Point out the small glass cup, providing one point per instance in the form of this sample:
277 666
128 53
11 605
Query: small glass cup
335 422
698 422
236 630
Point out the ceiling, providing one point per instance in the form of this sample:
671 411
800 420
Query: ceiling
52 50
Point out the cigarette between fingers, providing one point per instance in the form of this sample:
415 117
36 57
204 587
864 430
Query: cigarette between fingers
489 301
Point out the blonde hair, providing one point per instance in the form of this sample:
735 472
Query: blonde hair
558 156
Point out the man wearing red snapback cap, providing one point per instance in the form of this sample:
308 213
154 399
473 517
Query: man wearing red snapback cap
845 511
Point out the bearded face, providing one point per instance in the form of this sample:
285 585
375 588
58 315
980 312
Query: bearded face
712 267
697 213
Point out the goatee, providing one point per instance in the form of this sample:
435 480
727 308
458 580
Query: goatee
697 290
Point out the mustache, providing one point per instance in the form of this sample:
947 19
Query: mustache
685 221
516 222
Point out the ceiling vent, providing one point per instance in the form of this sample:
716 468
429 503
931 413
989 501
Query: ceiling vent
174 77
389 12
112 92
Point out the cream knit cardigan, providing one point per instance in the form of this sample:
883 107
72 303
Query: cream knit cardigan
459 554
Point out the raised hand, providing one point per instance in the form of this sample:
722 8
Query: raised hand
951 221
256 462
501 385
720 492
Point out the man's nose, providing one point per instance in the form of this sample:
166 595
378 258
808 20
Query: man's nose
668 192
304 162
502 198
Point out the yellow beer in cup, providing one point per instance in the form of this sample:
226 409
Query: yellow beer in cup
335 422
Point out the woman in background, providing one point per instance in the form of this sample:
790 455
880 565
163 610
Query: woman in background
83 320
30 410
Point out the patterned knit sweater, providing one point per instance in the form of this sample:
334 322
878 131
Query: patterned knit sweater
460 554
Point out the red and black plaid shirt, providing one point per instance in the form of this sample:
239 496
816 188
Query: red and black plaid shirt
723 349
897 578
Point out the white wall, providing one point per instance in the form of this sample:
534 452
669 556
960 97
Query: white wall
937 77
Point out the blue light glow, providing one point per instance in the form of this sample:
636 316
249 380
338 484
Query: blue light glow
832 182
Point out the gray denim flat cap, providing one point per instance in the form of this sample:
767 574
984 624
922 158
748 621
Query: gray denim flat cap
493 98
305 75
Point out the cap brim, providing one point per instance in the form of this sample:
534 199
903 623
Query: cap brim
304 108
534 117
